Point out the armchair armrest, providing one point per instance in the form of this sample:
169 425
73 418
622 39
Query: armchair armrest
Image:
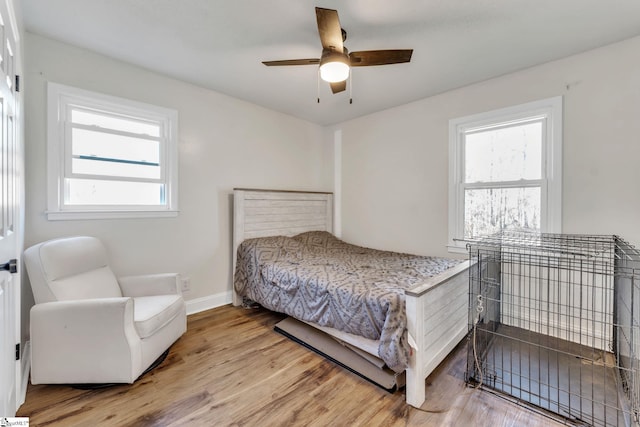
150 284
74 336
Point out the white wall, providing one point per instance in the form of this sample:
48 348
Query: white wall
223 143
395 162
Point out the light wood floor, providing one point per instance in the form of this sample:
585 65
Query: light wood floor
232 369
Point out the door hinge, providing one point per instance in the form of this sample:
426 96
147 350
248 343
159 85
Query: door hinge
17 83
18 351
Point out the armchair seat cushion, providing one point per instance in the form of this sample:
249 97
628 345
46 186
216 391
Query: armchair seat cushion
151 313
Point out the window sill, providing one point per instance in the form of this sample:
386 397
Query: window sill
81 215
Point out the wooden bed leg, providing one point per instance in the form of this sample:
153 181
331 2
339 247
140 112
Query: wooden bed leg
415 327
415 388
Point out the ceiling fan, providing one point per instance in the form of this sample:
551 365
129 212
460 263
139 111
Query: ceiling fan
336 61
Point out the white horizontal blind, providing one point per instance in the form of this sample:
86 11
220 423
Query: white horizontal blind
113 160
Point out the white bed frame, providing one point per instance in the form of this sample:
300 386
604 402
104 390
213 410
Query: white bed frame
436 310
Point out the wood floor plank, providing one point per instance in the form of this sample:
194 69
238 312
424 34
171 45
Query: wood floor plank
232 369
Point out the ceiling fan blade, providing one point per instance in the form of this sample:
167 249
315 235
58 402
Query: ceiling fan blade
309 61
367 58
329 29
338 87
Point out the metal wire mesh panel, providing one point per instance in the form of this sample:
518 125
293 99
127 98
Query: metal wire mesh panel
554 321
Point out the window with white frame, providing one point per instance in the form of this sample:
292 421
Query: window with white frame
109 157
505 171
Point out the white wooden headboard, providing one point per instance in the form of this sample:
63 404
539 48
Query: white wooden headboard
262 213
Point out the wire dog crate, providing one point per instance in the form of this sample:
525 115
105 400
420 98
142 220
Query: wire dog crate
554 322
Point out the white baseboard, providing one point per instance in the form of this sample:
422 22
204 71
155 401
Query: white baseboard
206 303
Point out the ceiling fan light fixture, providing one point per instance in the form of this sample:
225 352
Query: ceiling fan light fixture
334 67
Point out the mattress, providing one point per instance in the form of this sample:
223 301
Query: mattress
319 278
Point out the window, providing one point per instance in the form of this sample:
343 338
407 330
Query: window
505 171
109 157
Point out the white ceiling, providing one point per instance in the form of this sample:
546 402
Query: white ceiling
220 44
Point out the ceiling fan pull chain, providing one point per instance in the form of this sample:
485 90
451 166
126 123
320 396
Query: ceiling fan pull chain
351 88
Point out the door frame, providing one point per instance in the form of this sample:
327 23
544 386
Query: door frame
13 29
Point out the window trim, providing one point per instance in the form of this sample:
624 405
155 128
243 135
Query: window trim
550 109
59 99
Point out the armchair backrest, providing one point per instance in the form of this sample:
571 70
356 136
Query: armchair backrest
70 268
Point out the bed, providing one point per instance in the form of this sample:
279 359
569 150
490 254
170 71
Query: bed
291 233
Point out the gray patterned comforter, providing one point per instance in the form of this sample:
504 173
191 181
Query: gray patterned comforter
317 277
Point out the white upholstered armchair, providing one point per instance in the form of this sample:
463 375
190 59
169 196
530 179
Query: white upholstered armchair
89 327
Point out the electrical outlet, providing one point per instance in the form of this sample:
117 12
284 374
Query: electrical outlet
185 284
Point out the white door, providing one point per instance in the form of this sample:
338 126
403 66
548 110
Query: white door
11 235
